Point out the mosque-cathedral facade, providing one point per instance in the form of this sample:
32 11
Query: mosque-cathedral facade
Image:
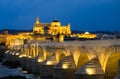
53 31
53 28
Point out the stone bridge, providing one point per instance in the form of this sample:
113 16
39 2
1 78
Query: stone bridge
70 60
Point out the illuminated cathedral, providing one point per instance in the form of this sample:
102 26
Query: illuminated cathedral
53 28
47 32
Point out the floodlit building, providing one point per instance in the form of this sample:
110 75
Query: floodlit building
52 31
53 28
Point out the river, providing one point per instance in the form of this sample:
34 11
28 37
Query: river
5 71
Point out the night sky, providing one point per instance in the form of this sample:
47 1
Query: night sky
84 15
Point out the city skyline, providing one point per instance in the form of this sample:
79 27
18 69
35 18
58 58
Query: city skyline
83 15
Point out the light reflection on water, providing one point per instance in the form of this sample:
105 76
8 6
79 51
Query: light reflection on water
28 75
5 71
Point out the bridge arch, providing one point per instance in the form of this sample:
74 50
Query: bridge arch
61 53
33 51
26 50
44 53
80 55
83 58
111 62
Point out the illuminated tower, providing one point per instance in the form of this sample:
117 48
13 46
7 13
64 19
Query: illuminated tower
37 20
38 27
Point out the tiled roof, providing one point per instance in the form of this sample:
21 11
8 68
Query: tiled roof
42 25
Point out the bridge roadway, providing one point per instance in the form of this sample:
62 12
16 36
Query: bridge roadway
63 60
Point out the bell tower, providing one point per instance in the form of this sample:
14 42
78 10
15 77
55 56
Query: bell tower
37 20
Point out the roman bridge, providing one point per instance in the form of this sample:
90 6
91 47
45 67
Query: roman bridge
56 59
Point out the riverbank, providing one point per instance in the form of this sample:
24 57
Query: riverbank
8 72
5 72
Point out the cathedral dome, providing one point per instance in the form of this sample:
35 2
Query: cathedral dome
55 20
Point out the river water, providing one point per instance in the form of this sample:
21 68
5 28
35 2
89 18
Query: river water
5 71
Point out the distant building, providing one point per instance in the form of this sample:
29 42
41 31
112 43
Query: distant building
5 32
108 36
44 32
85 35
53 28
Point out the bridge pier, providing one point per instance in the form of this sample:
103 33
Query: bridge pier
12 60
46 71
65 69
118 75
29 65
91 70
46 68
15 56
10 56
24 63
36 67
